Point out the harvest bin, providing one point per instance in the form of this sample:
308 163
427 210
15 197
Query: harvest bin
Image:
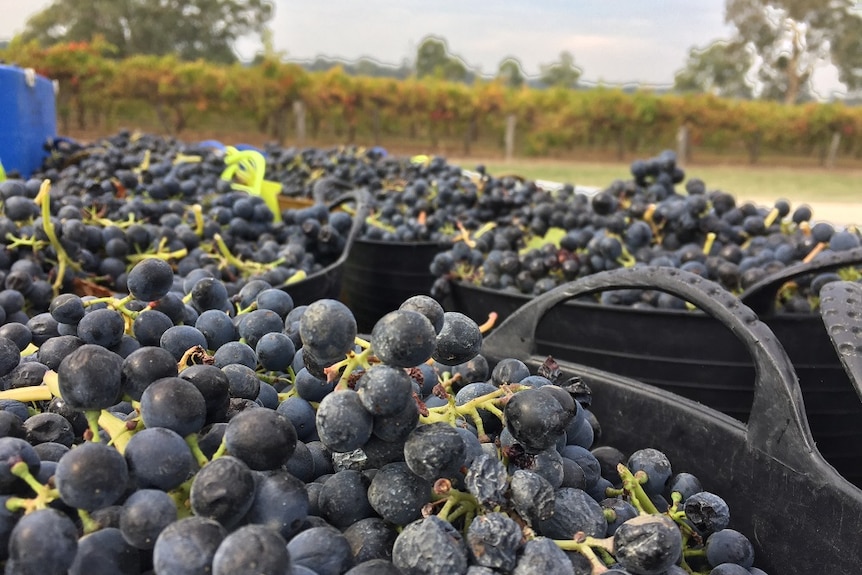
27 119
801 515
690 354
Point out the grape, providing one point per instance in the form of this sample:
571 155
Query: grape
91 476
541 555
729 546
574 511
150 279
301 414
344 499
103 327
509 370
243 382
252 550
403 338
276 300
494 540
434 450
187 546
535 419
458 341
275 351
235 352
145 514
209 293
427 306
487 481
324 550
371 542
532 495
280 502
67 308
173 403
647 545
430 546
397 494
149 327
342 422
328 330
105 552
656 466
90 377
217 327
159 458
707 511
384 390
28 552
729 569
48 427
262 438
52 353
223 490
178 339
144 366
214 386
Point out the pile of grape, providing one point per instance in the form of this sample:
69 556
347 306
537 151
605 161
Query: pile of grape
561 236
170 430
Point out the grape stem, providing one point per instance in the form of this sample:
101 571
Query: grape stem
43 199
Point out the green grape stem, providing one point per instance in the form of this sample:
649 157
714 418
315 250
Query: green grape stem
584 545
44 494
632 485
43 198
192 442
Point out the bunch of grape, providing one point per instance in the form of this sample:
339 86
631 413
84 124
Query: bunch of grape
647 220
171 430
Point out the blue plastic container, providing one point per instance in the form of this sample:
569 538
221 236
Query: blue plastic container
28 118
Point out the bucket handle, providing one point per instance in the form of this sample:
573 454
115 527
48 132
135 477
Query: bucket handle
841 312
760 296
362 199
777 424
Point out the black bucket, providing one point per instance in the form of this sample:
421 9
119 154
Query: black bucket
690 354
327 282
379 275
769 470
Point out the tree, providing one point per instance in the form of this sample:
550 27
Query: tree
719 69
791 39
433 59
190 29
847 55
510 72
563 74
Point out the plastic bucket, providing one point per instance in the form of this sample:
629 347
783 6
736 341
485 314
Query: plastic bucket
28 119
690 354
380 275
769 470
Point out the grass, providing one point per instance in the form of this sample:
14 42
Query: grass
764 184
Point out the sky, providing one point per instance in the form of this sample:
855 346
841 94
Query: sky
641 42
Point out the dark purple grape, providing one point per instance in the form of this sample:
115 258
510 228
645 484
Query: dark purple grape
275 351
187 546
542 555
144 366
173 403
427 306
243 382
252 550
217 327
262 438
104 327
397 494
90 378
536 419
430 545
494 540
149 327
531 495
328 330
324 550
458 341
403 338
648 544
178 339
105 552
622 511
344 499
146 512
28 551
49 427
91 476
656 466
384 390
280 503
342 422
487 481
301 414
223 490
574 511
729 546
158 457
434 451
371 541
707 511
150 279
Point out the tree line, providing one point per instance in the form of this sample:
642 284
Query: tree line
774 50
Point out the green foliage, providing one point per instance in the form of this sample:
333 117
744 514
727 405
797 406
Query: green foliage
561 74
719 68
191 29
792 38
510 72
